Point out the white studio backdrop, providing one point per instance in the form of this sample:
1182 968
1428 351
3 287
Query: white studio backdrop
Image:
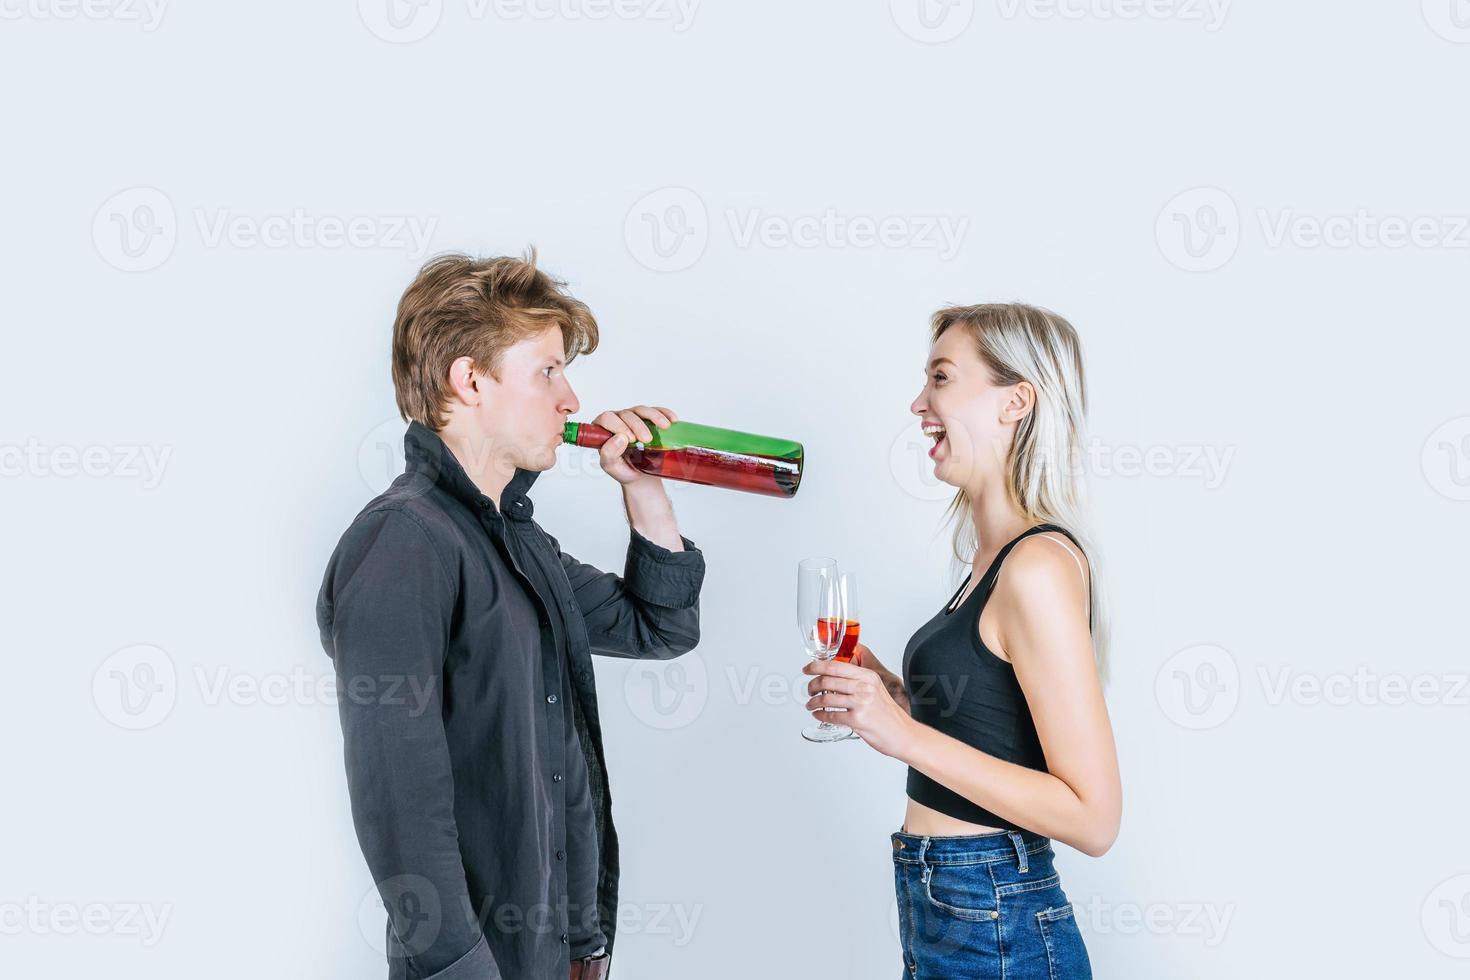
1255 214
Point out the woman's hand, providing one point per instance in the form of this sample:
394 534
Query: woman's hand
628 426
871 711
864 657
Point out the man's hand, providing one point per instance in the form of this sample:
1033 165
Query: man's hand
627 426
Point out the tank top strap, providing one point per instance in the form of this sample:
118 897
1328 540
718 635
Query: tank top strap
987 584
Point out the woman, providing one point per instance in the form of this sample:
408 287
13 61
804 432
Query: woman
999 713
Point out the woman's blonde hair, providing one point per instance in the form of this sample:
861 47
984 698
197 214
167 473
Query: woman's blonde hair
1044 473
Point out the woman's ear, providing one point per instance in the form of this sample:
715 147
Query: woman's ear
1020 403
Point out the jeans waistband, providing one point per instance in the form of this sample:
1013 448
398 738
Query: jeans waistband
1002 845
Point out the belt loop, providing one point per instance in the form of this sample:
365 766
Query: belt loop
923 849
1017 840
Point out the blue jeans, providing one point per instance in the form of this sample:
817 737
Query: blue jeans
985 906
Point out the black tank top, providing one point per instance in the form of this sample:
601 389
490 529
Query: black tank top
957 686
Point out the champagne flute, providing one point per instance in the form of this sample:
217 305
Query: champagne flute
847 583
819 609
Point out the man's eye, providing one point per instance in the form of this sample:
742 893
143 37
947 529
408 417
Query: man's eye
547 371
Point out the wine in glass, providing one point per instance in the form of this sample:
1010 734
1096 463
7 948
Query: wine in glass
819 610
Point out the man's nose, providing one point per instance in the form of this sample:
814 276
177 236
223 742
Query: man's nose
569 404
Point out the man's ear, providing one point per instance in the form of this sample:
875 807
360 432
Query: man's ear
462 381
1020 403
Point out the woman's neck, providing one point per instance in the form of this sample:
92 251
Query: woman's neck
997 520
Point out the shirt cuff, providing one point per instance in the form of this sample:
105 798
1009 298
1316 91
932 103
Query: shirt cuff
656 575
477 964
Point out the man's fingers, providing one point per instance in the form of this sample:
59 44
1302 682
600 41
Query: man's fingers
614 423
636 425
668 412
655 415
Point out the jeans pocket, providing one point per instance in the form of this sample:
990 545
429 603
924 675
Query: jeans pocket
965 891
1066 955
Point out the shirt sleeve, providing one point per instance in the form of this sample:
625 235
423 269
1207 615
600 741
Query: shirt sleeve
388 601
652 611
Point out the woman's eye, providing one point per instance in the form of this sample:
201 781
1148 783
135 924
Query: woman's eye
939 378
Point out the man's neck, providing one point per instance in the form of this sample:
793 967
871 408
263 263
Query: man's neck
486 469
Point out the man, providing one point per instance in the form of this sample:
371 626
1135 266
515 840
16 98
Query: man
461 635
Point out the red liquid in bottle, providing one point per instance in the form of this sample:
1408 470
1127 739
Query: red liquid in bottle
753 474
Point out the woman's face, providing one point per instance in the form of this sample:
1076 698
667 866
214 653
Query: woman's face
971 418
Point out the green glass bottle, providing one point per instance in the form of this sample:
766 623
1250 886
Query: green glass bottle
707 455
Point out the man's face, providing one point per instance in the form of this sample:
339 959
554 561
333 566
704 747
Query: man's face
523 413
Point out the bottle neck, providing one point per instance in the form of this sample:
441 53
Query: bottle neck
585 434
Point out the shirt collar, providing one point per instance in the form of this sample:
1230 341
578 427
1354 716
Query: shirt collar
429 458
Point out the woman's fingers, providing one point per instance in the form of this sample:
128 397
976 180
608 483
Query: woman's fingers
846 685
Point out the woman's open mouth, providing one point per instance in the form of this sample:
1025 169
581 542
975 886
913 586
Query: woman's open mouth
936 432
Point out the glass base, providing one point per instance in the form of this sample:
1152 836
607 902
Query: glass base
827 733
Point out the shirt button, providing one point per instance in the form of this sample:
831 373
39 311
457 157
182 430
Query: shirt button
556 777
551 699
561 855
564 938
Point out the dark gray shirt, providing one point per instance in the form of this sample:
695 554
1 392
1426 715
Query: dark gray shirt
462 638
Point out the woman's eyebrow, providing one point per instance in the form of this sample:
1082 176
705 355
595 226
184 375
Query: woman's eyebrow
940 360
